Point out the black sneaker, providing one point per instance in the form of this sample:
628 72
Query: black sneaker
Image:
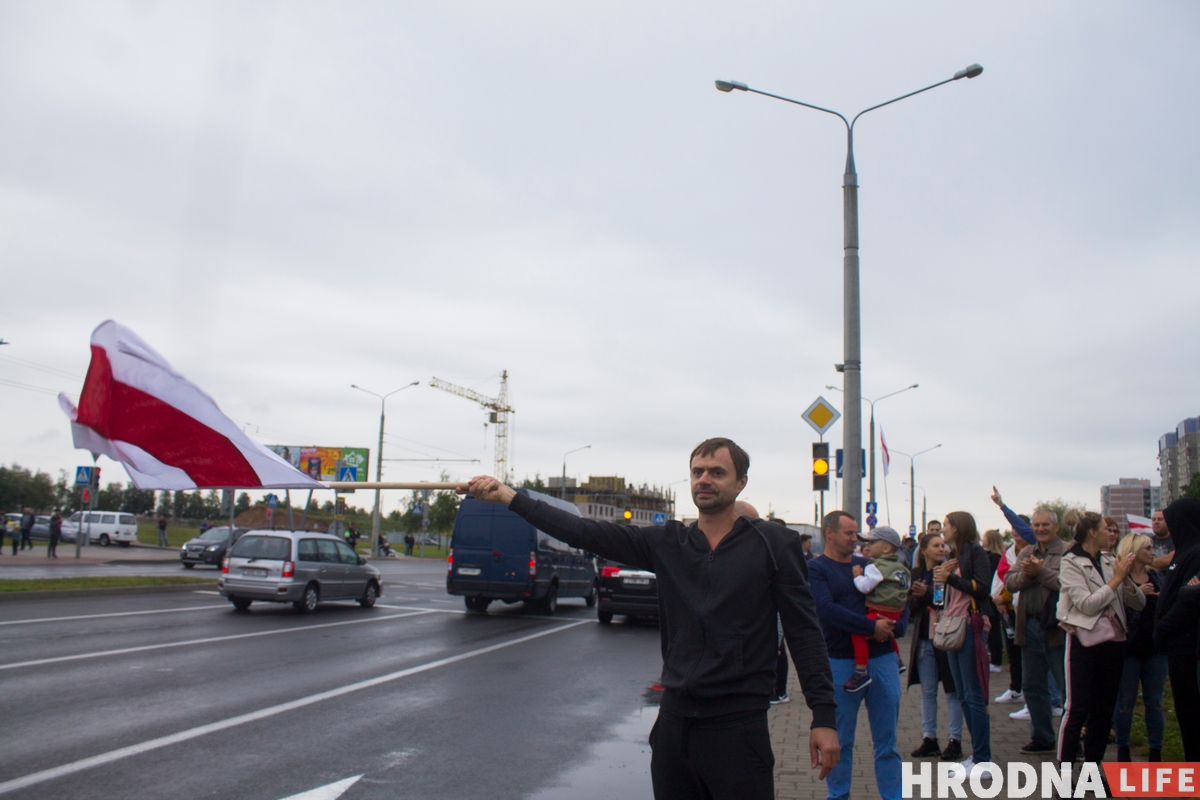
928 748
903 669
953 751
1037 748
783 698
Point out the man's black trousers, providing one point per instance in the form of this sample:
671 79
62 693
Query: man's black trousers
721 758
1186 690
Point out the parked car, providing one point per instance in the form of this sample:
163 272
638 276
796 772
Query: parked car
209 547
497 555
104 527
625 590
297 567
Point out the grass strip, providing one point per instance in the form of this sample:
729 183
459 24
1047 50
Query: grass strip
98 582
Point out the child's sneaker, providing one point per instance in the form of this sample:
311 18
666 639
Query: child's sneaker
903 669
857 682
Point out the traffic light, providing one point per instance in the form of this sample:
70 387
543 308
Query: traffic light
339 507
628 515
87 496
820 466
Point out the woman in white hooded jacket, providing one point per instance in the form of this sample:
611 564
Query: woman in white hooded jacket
1094 590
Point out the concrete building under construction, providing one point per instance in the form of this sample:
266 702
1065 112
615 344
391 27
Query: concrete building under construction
608 498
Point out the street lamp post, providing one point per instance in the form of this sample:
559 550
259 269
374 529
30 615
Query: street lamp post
912 481
924 515
851 367
376 518
871 464
564 477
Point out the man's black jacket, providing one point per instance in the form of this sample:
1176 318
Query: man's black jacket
717 608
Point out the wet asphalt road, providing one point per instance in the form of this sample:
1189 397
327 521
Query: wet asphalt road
419 698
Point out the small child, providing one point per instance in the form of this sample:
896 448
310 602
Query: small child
885 582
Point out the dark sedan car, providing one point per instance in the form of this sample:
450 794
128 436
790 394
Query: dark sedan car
625 590
209 547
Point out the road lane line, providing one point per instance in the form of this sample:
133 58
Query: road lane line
464 613
202 730
208 640
209 607
330 791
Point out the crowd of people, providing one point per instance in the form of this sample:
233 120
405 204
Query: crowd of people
737 593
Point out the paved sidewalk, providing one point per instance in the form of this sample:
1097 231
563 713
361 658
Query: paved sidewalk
790 725
98 554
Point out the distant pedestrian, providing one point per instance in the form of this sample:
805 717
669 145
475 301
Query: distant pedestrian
27 523
806 546
162 531
409 541
55 534
993 543
1164 543
204 525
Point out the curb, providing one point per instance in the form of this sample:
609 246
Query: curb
102 591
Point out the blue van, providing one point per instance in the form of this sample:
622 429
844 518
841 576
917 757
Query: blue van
497 555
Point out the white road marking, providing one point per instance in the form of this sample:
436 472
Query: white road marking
114 614
232 722
206 591
206 640
330 791
463 612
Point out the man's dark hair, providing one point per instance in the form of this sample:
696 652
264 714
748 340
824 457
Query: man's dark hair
806 537
833 519
741 460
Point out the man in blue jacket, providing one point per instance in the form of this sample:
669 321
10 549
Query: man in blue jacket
722 582
843 611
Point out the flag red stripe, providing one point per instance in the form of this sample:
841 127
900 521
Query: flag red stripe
122 413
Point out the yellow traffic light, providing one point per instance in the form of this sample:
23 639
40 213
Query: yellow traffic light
820 466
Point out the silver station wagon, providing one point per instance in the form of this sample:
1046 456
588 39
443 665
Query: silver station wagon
300 568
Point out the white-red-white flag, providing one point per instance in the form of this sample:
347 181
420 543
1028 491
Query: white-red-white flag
165 431
1139 524
887 455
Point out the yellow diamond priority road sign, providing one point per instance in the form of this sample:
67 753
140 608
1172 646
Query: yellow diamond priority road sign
821 415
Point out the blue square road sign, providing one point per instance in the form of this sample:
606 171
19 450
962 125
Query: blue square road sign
83 476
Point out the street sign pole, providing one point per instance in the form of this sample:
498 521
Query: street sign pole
424 519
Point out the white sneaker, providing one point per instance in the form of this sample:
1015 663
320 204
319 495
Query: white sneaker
985 773
968 765
992 668
1010 696
1056 711
1022 714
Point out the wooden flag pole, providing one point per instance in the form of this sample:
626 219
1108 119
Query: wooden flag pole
344 485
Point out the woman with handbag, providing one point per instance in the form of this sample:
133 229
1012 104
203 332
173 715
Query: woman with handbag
927 665
962 629
1094 590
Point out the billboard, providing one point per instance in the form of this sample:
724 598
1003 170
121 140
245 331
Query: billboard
325 463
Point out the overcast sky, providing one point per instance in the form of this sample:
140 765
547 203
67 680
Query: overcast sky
287 198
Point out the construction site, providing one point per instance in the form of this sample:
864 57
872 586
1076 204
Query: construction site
608 498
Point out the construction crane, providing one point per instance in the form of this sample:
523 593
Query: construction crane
498 408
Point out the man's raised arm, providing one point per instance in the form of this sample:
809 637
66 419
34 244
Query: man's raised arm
623 543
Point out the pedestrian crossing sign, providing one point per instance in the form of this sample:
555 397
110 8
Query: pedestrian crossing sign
348 473
83 476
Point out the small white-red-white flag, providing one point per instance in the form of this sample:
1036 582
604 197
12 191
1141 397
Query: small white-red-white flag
165 431
887 455
1141 524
